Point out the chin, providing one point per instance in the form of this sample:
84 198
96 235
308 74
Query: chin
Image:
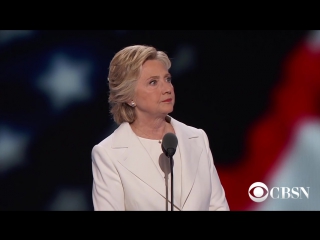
169 111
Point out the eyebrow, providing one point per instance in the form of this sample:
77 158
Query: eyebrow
157 77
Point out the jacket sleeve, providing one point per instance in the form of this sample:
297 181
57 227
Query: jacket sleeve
218 199
107 190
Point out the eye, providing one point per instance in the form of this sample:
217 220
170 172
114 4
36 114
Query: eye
153 82
258 192
169 79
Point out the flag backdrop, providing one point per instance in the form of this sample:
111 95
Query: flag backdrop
256 93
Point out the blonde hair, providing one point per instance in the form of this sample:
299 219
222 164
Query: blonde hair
124 71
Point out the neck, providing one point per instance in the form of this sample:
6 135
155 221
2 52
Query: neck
154 129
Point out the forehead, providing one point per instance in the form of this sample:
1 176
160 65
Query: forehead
153 68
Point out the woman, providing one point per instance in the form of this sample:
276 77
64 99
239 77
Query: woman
130 171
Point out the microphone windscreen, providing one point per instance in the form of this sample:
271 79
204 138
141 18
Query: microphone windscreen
169 141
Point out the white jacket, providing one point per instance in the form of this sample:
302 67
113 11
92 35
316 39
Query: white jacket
125 178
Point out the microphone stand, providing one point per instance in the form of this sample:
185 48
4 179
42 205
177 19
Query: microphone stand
171 164
170 153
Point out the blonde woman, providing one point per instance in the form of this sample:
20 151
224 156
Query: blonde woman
130 170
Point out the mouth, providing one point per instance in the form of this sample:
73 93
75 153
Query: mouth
168 100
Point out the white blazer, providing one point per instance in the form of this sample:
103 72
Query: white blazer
125 178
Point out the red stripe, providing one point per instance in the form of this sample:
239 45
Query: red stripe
296 97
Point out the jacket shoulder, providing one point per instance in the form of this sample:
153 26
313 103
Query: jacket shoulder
188 128
106 142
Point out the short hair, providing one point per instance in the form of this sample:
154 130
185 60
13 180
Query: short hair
124 71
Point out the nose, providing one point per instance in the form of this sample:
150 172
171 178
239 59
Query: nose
167 87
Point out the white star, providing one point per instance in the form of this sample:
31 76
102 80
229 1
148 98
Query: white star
13 145
66 81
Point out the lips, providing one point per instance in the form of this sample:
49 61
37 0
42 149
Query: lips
168 100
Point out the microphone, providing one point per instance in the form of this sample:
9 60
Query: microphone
169 144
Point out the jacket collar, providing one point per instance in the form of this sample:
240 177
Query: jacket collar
124 129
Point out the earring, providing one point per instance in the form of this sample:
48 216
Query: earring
132 104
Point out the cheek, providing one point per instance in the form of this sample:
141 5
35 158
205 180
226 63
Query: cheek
144 96
150 99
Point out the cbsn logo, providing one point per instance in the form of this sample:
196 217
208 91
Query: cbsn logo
258 192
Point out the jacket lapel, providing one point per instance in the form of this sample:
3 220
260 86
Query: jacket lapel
190 155
136 159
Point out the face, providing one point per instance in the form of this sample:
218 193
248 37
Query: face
154 93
